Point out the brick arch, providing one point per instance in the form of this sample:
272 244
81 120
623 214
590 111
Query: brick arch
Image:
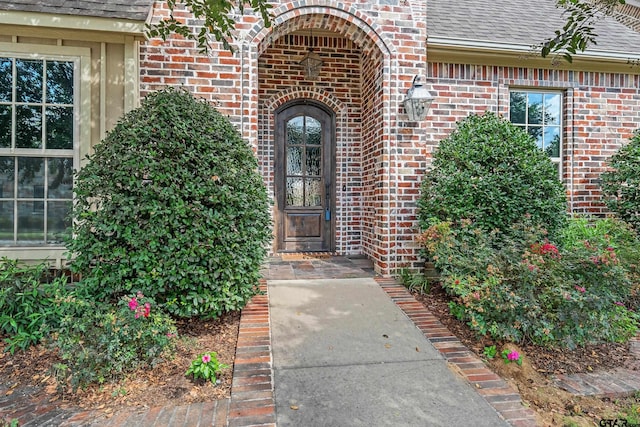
299 93
331 16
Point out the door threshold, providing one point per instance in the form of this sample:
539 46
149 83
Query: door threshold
298 256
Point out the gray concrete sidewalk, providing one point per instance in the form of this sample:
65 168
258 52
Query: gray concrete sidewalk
345 355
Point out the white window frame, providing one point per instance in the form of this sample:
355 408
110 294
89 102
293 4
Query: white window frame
81 57
556 160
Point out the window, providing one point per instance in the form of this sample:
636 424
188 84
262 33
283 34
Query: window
539 114
38 148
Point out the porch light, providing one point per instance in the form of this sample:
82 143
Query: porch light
311 62
418 100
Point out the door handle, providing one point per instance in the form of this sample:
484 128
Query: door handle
327 203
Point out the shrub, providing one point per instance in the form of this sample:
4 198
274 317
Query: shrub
492 173
172 204
99 343
604 233
519 286
31 303
621 186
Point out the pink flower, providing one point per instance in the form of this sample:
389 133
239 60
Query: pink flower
133 304
580 289
513 356
206 358
147 309
618 303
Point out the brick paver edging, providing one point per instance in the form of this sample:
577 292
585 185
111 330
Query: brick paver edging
252 395
619 382
496 391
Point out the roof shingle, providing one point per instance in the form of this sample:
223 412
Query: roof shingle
136 10
518 22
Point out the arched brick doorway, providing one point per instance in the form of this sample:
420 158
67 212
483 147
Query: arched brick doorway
352 84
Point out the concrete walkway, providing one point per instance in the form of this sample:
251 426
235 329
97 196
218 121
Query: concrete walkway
345 355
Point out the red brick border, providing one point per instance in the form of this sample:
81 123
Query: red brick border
496 391
252 395
619 382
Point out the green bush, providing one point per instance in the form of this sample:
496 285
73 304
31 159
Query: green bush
98 342
519 286
621 186
492 173
31 302
171 203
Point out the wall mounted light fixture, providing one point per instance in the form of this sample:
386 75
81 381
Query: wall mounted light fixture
311 62
418 100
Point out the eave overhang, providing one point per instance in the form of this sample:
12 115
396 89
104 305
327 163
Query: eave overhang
444 49
69 23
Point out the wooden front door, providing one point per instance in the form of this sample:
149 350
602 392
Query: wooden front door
304 174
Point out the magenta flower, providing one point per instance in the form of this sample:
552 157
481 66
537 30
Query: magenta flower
580 289
619 303
133 304
206 358
513 356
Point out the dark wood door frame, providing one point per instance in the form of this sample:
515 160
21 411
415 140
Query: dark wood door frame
305 228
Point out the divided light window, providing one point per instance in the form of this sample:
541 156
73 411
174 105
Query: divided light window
37 134
539 113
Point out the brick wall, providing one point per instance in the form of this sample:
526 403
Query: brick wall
372 173
601 110
372 50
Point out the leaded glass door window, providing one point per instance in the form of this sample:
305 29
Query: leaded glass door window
304 175
304 162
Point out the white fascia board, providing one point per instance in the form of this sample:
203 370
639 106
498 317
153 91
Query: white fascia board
470 45
73 22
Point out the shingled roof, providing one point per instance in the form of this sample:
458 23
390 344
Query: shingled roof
135 10
517 22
